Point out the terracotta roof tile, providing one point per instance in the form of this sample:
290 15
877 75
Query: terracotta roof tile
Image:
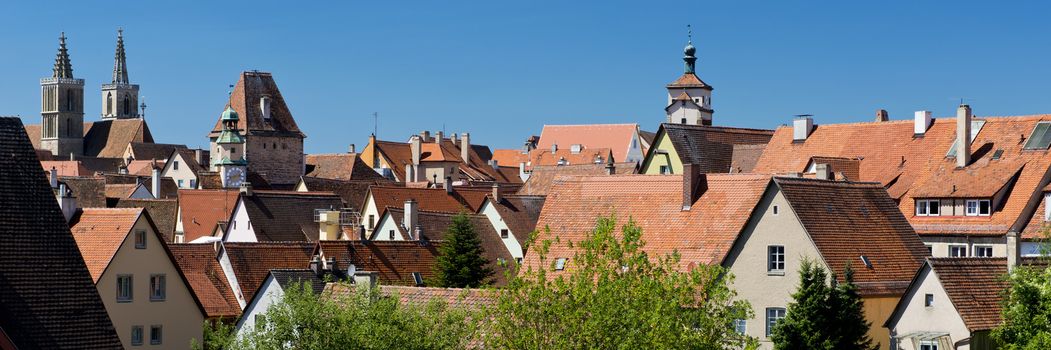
974 286
394 261
151 151
689 80
65 167
847 166
163 212
206 279
120 190
745 157
353 193
543 177
566 156
509 157
341 166
252 261
471 299
616 137
202 209
287 215
431 199
110 138
100 232
434 227
710 147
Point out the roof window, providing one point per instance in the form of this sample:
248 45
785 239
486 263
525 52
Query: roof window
976 126
866 261
1040 139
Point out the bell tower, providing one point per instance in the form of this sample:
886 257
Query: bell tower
230 150
689 97
119 97
62 107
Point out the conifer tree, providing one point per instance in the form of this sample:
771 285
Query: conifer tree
461 262
823 316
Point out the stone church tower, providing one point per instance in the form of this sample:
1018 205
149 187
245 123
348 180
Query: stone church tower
120 98
689 98
62 107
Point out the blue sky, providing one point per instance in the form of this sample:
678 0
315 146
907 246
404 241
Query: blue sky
501 70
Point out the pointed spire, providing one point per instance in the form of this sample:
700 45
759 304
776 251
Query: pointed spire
120 64
63 69
689 51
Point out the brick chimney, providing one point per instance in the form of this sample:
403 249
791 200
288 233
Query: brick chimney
465 148
963 136
882 115
694 183
411 219
922 122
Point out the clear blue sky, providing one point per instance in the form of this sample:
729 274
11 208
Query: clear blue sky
501 70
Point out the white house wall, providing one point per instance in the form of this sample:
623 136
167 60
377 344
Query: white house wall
240 227
942 317
270 294
498 223
384 226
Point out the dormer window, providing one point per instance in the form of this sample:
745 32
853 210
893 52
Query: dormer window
928 207
978 207
264 107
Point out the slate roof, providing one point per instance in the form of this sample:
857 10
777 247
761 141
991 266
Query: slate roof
110 138
286 215
353 193
35 246
394 261
710 147
520 214
543 177
90 192
151 151
616 137
99 233
434 227
202 209
163 212
870 226
702 235
206 279
252 261
245 99
340 166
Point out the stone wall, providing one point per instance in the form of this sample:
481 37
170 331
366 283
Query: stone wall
280 158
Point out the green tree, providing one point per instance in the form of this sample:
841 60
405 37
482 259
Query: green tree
357 320
823 315
461 262
612 295
1026 310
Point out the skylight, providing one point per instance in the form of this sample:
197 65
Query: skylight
1041 137
866 261
976 126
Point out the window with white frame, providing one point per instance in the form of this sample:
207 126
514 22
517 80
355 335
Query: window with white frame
775 257
773 315
978 207
928 345
983 251
741 326
958 250
158 287
928 207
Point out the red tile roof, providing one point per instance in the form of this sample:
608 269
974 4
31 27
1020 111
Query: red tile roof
110 138
509 157
432 199
974 286
65 167
616 137
340 166
252 261
394 261
202 209
251 87
206 279
544 157
689 80
543 177
471 299
100 232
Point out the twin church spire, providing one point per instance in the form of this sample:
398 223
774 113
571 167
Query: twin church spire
120 62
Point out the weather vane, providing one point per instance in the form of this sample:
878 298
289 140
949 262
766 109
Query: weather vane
689 33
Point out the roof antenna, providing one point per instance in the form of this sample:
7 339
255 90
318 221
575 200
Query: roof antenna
375 123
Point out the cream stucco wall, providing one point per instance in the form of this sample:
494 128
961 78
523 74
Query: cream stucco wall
240 228
940 245
369 210
498 222
184 174
941 317
271 293
664 154
384 226
178 314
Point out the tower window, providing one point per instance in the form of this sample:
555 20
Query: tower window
109 103
127 105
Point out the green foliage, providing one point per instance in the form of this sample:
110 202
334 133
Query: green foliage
218 335
360 320
461 263
1026 310
823 316
614 296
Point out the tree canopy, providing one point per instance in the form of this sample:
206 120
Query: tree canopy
824 314
461 262
1026 310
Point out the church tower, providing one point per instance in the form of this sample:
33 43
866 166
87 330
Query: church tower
689 98
62 107
119 97
230 150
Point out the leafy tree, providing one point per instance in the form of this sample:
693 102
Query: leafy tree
359 320
218 335
612 295
1026 310
823 315
461 263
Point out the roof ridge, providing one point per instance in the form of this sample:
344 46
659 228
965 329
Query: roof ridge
830 183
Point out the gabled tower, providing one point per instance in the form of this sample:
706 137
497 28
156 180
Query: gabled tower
62 107
120 98
230 147
689 98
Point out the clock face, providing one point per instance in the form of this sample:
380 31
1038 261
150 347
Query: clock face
234 177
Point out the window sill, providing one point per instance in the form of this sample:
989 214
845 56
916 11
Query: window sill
775 273
156 300
125 300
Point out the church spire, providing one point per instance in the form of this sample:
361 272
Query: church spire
691 61
63 69
120 64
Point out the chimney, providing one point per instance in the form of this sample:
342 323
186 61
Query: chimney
438 135
610 169
66 202
361 233
922 123
465 148
493 163
575 148
694 183
410 175
415 146
522 171
264 107
411 217
246 189
352 149
53 176
375 161
554 148
455 139
823 171
365 279
1012 250
496 192
526 147
425 136
315 265
448 185
882 116
963 136
156 180
802 126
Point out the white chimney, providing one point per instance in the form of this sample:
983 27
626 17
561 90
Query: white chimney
465 148
522 174
53 176
352 149
496 192
802 126
963 136
575 148
922 122
410 174
438 135
411 217
66 202
823 172
448 184
246 188
264 107
554 148
1012 250
156 180
425 135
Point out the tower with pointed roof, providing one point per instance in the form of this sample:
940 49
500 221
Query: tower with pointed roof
689 97
230 149
62 107
120 98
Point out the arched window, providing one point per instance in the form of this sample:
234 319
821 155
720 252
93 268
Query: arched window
127 105
109 103
69 127
69 101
